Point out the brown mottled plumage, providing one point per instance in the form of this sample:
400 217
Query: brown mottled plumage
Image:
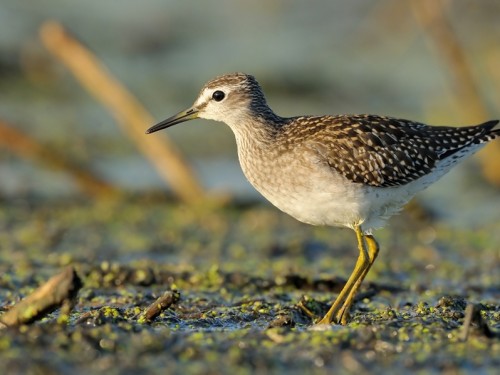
383 151
347 170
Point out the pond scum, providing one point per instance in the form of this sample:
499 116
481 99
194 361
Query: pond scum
163 288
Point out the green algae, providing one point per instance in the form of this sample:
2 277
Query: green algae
246 278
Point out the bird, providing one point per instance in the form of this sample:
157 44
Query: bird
351 171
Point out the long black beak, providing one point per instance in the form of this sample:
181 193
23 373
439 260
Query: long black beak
189 114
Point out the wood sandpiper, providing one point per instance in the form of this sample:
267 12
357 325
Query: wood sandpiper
350 171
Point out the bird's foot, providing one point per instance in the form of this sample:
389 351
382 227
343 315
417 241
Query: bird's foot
342 317
339 316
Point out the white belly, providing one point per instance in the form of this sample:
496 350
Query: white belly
317 195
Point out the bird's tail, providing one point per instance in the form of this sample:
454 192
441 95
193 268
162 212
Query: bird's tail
496 128
492 130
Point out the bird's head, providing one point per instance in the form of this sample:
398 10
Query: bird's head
231 98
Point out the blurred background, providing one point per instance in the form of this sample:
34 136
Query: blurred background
432 61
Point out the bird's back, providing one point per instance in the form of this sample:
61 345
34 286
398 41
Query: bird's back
383 151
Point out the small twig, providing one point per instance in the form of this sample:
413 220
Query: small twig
301 305
473 315
162 303
58 291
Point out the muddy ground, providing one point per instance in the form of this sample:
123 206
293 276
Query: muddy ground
241 275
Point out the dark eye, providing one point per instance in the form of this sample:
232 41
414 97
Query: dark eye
218 95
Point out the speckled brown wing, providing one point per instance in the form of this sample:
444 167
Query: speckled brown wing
383 152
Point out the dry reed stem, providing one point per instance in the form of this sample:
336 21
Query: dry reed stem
28 148
130 114
435 25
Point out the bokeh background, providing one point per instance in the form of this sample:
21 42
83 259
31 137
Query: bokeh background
430 61
78 188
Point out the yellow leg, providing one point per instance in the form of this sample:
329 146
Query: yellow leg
342 315
345 298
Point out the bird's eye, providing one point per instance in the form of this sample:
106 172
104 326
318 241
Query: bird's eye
218 95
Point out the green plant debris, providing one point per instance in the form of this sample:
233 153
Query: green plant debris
250 282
